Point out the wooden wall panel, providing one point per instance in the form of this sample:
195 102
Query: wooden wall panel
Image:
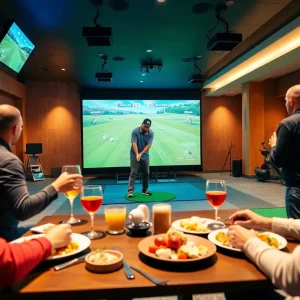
282 84
256 124
221 124
53 113
11 89
274 108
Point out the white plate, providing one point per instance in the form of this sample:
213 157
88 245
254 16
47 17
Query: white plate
176 225
212 237
41 228
83 242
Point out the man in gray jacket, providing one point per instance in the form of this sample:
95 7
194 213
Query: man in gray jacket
15 202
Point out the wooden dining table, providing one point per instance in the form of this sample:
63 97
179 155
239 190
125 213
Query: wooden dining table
226 271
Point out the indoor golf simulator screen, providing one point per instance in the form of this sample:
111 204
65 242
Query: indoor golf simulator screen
107 127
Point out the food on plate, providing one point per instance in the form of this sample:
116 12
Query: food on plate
194 224
173 232
103 257
175 245
73 246
222 238
160 241
271 241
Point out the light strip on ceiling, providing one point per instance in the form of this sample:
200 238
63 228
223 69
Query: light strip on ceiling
282 46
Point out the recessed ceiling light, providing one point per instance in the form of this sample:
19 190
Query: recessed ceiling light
149 50
161 1
199 56
141 81
63 69
143 74
229 3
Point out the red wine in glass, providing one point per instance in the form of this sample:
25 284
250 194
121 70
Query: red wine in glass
216 193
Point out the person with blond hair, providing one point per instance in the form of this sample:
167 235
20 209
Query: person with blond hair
285 151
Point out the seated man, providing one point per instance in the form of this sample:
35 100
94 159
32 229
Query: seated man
15 202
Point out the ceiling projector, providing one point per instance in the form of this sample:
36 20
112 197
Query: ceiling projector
197 78
105 76
224 41
97 36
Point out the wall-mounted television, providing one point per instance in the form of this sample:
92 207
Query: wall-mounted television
15 47
107 127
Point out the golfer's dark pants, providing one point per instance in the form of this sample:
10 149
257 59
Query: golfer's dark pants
134 165
292 202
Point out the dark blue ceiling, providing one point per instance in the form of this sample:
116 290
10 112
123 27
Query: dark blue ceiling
170 29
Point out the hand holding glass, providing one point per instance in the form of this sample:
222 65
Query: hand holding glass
91 200
216 194
72 194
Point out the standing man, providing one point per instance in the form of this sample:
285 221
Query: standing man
141 139
15 202
285 151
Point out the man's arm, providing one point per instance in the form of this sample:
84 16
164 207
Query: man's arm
15 192
280 153
147 147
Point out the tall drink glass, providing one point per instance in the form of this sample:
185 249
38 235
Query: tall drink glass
72 194
115 217
161 215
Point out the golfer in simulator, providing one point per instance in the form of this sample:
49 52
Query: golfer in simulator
141 141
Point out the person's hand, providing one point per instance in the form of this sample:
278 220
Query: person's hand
138 157
249 219
67 182
59 236
273 139
238 236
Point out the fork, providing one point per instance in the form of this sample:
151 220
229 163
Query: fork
150 277
128 272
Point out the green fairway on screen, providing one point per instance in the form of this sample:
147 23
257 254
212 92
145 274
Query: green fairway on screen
108 124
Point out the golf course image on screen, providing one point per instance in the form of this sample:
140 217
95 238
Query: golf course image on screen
108 124
15 48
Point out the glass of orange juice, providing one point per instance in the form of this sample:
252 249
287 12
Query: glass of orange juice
115 217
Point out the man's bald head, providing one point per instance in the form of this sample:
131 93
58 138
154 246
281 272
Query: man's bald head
292 99
9 116
294 91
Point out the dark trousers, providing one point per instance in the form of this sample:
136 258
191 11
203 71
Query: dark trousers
255 295
134 166
292 202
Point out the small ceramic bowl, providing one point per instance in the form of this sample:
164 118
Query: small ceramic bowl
104 267
139 230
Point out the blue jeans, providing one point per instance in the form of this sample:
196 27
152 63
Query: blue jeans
292 202
134 165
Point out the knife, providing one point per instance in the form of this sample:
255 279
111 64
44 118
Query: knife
128 272
70 263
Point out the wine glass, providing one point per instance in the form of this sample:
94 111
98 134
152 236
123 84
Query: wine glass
91 200
72 194
216 194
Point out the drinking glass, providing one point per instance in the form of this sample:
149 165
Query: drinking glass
72 194
91 200
161 215
216 194
115 217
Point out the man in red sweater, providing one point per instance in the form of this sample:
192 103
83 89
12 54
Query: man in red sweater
17 260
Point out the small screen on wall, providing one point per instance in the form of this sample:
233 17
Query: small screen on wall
15 48
107 127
